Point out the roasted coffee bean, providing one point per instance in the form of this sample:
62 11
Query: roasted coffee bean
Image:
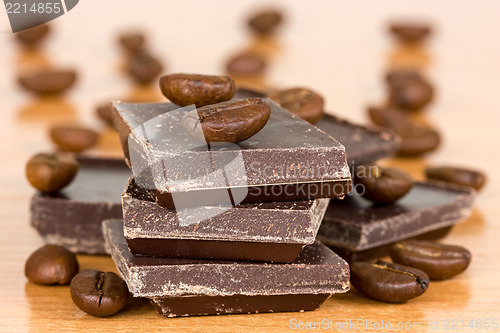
201 90
51 264
105 112
99 294
410 94
410 32
144 68
416 139
33 36
385 116
459 176
50 172
439 261
47 81
231 121
382 185
132 42
265 22
246 64
303 102
73 138
403 75
388 282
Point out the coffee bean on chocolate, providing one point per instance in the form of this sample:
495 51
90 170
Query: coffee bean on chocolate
410 32
231 121
51 264
132 42
144 68
73 138
201 90
50 172
33 36
410 94
47 81
303 102
265 22
416 139
439 261
382 185
388 282
98 293
246 64
459 176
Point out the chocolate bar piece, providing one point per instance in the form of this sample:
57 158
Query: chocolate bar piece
289 159
72 217
363 144
271 231
185 287
357 224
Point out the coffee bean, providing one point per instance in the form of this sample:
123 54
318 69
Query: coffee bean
410 94
132 42
246 64
459 176
231 121
144 68
51 264
388 282
416 139
410 32
99 294
385 115
201 90
382 185
439 261
265 22
73 138
49 172
105 112
303 102
33 36
47 81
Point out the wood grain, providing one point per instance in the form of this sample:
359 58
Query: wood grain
341 50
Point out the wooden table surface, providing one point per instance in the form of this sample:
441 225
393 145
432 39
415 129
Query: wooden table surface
340 49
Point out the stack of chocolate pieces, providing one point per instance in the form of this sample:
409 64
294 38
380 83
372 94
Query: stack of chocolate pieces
216 228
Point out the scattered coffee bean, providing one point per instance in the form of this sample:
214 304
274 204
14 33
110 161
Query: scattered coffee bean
132 42
50 172
47 81
382 185
104 112
99 294
201 90
439 261
385 116
410 94
231 121
416 139
246 64
33 36
73 138
144 68
459 176
265 22
410 32
303 102
388 282
51 264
